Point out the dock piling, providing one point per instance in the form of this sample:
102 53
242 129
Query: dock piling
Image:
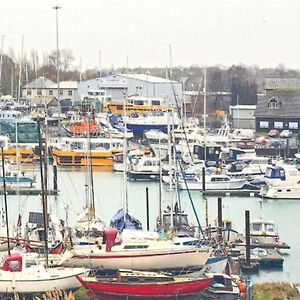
203 180
54 176
247 226
147 208
220 219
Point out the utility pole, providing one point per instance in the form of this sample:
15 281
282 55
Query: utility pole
57 68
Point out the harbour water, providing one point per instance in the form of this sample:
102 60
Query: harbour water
109 191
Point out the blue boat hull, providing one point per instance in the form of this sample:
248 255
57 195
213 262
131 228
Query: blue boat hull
139 129
14 179
142 175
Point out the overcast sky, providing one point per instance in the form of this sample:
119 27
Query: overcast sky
203 32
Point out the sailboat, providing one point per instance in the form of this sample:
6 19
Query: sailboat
17 276
122 220
88 224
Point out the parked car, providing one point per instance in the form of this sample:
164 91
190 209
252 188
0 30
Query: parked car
286 134
273 133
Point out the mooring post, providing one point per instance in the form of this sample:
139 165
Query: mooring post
147 208
203 180
247 226
54 176
220 219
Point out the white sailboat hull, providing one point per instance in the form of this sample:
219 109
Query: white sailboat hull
141 260
197 185
32 281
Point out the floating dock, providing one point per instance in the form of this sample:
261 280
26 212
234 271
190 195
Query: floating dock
242 193
27 191
266 258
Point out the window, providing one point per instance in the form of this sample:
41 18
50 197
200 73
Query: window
155 102
29 92
273 104
50 92
293 125
278 124
39 92
70 93
61 92
264 124
256 227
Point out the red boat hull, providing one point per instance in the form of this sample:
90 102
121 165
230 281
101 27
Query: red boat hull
161 290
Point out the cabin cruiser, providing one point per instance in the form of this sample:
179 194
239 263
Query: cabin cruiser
145 168
264 233
212 182
82 151
252 170
282 182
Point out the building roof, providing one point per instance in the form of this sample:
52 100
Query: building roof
39 83
65 85
282 84
289 104
147 77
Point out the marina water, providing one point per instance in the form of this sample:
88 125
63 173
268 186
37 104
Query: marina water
109 190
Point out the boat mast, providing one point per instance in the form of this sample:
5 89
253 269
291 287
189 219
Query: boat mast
91 194
204 112
18 174
5 197
44 192
170 170
125 160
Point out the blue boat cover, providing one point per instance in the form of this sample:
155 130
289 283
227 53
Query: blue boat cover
121 221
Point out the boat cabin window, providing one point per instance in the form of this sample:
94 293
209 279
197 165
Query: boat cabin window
220 179
100 146
150 163
132 247
133 279
155 102
138 102
76 145
149 279
269 227
256 226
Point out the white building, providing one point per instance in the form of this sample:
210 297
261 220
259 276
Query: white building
67 90
43 87
242 116
37 88
124 85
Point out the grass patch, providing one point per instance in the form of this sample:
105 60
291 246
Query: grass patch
81 294
275 291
